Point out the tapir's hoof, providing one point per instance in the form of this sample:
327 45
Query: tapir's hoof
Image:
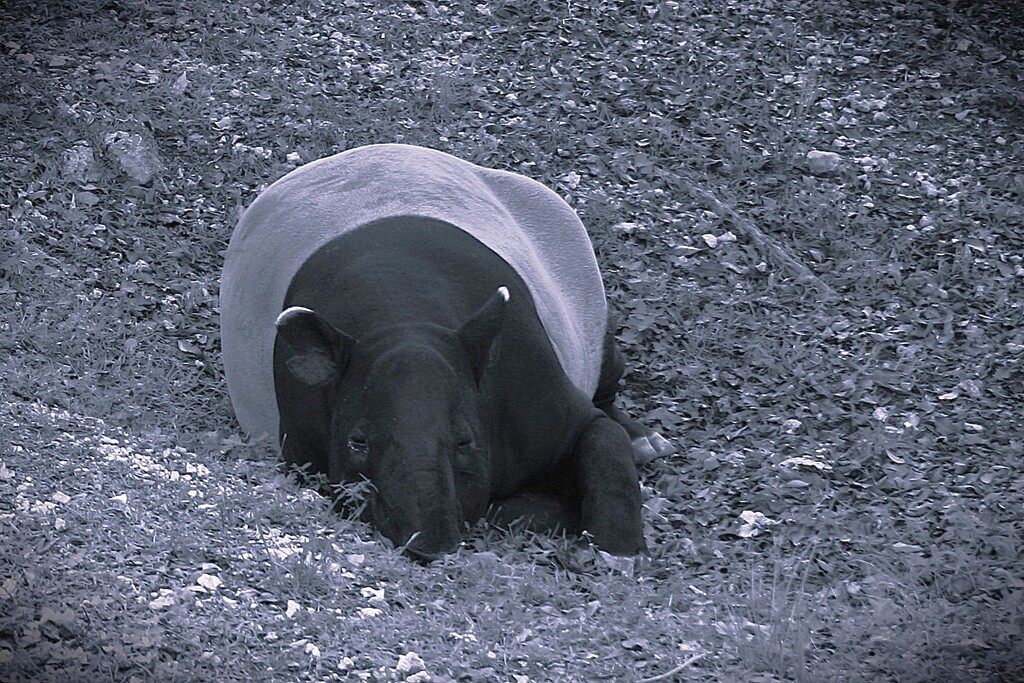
650 447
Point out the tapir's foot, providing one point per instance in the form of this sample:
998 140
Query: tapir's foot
651 446
647 444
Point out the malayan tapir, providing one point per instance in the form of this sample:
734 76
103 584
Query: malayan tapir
395 313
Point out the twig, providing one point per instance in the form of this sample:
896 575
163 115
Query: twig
672 672
753 232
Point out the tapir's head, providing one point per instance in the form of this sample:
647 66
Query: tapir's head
405 411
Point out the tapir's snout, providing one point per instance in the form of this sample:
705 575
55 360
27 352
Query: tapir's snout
434 536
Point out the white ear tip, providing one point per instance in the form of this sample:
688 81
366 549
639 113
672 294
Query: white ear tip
503 291
290 312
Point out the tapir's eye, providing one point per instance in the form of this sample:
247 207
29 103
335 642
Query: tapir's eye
358 447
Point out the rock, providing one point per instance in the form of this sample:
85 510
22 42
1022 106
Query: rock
823 163
136 154
80 162
410 663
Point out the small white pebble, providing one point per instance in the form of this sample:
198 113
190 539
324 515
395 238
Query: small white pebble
410 663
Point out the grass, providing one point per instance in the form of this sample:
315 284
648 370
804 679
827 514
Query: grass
836 354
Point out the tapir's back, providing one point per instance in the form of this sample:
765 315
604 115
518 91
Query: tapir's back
522 221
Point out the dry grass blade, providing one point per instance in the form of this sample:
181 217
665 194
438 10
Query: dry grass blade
672 672
763 240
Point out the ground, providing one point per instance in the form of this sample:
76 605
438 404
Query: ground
810 218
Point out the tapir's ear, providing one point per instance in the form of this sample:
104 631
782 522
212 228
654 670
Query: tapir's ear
479 331
316 353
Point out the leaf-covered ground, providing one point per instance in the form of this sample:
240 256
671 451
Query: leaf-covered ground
810 216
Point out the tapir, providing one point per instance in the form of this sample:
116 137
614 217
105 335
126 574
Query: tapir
397 314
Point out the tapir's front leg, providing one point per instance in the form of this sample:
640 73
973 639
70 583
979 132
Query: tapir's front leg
607 479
